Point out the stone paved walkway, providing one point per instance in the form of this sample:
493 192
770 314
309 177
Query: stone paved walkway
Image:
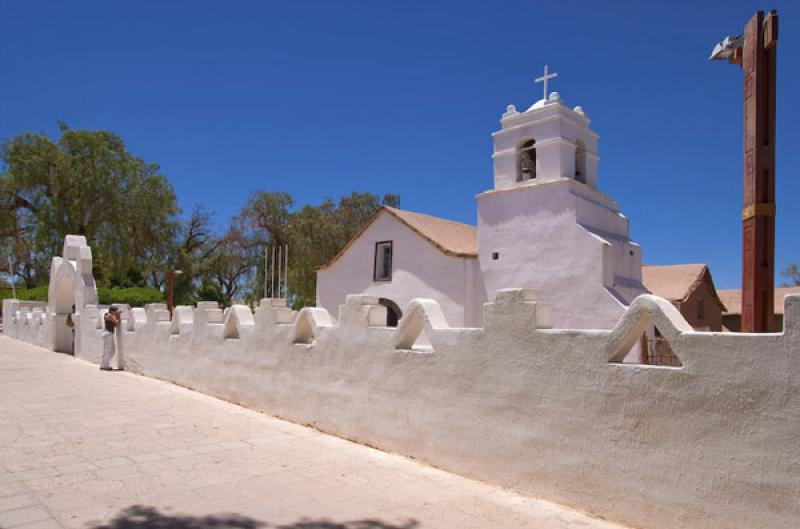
81 448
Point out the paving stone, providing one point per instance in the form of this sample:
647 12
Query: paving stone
17 517
17 501
43 524
80 449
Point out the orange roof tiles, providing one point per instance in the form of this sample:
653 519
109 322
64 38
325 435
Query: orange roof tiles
452 238
676 282
733 299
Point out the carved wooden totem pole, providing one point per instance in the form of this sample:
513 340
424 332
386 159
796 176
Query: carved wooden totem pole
756 51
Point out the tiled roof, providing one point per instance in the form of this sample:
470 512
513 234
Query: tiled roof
452 238
673 282
676 282
733 299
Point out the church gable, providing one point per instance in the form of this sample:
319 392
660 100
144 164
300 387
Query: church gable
449 237
399 256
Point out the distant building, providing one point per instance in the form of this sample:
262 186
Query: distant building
691 289
732 317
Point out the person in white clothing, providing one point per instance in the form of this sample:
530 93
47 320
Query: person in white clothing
111 323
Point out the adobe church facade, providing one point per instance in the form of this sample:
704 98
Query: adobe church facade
544 225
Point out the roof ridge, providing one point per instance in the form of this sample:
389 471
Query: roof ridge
461 243
400 214
428 215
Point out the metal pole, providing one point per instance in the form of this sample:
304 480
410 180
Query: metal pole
280 289
11 272
266 265
286 270
272 274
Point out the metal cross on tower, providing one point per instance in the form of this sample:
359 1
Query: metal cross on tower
543 79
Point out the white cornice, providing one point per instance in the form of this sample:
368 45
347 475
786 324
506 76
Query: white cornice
548 114
545 143
579 189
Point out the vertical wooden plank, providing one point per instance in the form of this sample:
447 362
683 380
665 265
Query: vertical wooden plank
758 215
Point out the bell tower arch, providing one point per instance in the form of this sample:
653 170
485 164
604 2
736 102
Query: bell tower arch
549 141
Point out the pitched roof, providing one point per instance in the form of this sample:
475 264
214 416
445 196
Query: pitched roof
677 282
452 238
733 299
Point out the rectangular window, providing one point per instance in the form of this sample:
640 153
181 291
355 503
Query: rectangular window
383 261
701 309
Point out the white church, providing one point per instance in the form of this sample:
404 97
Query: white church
543 225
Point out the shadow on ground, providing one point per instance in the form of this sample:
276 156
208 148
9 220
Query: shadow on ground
141 517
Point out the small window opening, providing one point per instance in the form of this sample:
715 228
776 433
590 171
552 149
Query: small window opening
383 261
648 347
701 309
495 256
580 161
526 156
657 352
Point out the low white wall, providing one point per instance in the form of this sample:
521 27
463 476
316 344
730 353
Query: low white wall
28 321
713 444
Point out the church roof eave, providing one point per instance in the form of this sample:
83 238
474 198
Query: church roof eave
451 238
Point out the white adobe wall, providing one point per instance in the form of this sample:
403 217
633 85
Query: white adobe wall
565 240
419 269
712 444
28 321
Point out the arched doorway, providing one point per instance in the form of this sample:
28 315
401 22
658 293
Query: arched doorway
63 326
393 312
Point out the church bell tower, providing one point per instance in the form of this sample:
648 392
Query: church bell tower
545 225
548 141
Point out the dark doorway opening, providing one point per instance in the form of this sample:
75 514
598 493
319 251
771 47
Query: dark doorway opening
393 312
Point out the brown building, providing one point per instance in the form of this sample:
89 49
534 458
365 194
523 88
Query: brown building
691 289
732 316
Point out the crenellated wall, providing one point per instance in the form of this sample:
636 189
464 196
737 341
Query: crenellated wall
552 413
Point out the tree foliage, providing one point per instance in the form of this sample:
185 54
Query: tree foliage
133 296
85 183
317 233
88 183
792 275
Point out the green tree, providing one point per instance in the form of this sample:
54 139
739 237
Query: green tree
226 276
314 234
193 252
264 221
792 275
85 183
268 215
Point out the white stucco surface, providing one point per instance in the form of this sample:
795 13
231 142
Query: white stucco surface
551 413
565 240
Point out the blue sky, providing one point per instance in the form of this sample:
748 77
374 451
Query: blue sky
323 98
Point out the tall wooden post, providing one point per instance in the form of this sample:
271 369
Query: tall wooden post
758 214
